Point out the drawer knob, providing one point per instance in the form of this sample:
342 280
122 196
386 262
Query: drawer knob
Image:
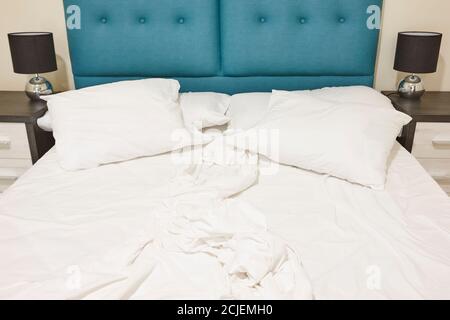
11 173
11 178
5 142
442 140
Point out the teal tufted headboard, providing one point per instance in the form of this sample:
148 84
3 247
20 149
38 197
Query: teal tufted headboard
225 45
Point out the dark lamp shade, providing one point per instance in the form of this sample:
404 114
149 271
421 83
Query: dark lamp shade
417 52
32 52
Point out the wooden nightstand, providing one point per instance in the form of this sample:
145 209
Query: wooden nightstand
427 137
22 142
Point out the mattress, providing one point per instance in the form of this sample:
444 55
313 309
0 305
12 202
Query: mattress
353 242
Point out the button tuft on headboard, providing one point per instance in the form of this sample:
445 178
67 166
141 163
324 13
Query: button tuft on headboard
302 20
142 20
181 20
103 20
342 20
262 19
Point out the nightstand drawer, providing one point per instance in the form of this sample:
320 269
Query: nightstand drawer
439 169
14 141
11 170
432 140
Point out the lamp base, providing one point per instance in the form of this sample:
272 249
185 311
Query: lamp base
411 87
38 86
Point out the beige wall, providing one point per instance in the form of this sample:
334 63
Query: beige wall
423 15
398 15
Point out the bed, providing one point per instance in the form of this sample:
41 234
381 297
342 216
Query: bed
85 234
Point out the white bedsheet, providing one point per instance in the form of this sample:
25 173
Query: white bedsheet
191 222
62 230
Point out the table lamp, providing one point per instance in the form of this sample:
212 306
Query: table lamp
417 52
33 53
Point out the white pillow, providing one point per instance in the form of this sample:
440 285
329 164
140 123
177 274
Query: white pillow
116 122
353 94
204 109
45 122
246 109
346 140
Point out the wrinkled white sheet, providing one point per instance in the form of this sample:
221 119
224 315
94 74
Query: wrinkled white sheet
193 241
60 229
